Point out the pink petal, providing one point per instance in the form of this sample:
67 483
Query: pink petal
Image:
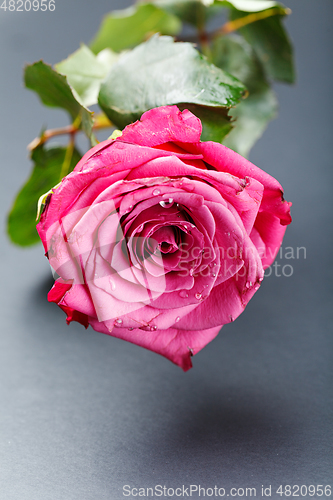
164 124
228 299
267 234
176 345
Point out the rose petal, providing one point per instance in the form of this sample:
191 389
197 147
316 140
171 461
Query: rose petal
176 345
228 299
161 125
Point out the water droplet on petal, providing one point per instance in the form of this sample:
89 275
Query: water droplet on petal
118 322
228 234
191 271
213 274
231 318
130 328
257 286
153 328
198 296
177 319
166 203
183 294
156 192
261 279
130 207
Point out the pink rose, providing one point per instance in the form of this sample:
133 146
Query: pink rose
160 239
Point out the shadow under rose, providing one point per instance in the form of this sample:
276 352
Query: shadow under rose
145 422
203 439
40 290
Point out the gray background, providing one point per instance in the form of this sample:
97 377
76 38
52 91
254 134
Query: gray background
82 413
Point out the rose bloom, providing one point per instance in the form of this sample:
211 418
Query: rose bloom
160 239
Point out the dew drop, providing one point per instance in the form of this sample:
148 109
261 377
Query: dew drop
130 328
156 192
191 271
228 234
248 284
183 294
231 318
166 203
118 322
257 286
198 296
177 319
153 328
261 279
213 274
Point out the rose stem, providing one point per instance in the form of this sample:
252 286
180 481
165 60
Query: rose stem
101 121
231 26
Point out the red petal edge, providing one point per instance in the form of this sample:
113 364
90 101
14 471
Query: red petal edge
56 294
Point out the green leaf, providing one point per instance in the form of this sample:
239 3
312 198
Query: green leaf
235 55
195 12
271 44
249 5
126 28
47 172
161 72
252 117
85 72
54 90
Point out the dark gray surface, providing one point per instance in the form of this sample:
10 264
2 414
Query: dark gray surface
83 414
